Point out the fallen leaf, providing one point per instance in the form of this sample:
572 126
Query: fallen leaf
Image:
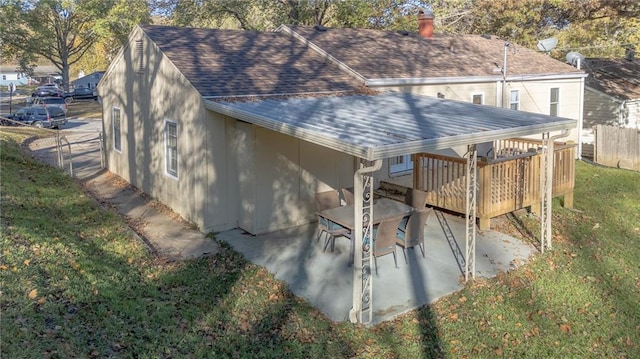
453 317
596 226
33 294
3 267
565 328
26 262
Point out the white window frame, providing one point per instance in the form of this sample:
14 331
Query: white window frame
481 98
117 130
400 165
171 151
554 104
514 104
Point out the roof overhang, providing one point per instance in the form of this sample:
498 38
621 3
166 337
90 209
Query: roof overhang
469 79
388 125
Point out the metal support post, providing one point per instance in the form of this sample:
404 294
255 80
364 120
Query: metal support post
470 246
546 187
362 310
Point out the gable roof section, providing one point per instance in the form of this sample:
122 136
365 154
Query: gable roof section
615 77
392 124
224 63
384 55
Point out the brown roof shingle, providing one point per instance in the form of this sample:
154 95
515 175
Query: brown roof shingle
615 77
377 54
225 63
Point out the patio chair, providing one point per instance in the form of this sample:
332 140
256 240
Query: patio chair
326 200
415 198
413 233
384 236
347 193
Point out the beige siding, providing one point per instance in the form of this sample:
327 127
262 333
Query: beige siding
279 175
143 97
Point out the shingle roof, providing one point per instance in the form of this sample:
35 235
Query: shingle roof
615 77
246 63
377 54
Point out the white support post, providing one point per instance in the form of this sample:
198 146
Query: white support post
470 243
546 187
362 309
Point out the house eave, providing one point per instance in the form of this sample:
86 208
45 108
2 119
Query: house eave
384 82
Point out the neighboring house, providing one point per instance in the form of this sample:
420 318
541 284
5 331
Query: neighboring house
612 93
240 129
10 74
91 80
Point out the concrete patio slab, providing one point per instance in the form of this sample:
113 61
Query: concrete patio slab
325 278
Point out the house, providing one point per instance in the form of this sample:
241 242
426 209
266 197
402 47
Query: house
612 93
91 80
172 78
240 129
10 74
459 67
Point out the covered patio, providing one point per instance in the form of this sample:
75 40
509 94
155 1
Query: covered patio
325 279
373 128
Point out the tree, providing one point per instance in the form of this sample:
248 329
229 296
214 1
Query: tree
61 31
113 31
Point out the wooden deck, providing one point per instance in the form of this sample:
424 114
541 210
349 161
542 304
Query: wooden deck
506 183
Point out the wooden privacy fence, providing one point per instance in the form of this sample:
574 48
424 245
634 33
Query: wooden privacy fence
617 147
506 183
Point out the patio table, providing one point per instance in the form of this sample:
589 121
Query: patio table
383 208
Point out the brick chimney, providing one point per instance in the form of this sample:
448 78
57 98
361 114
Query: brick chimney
425 24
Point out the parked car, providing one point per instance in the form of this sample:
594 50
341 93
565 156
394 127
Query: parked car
50 102
84 93
48 90
39 116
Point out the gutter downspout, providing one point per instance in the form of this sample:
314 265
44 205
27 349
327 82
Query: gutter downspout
363 255
547 189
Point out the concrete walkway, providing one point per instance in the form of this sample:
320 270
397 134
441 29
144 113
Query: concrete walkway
164 232
324 279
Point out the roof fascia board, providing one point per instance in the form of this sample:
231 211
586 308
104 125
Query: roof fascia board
470 79
443 143
319 50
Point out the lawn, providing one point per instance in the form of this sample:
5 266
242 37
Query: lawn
76 283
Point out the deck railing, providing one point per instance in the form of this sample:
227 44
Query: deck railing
508 181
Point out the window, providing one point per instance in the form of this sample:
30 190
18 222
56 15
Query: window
4 77
554 99
514 100
117 129
440 95
478 99
171 145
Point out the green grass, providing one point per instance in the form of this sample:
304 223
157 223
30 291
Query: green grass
75 283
